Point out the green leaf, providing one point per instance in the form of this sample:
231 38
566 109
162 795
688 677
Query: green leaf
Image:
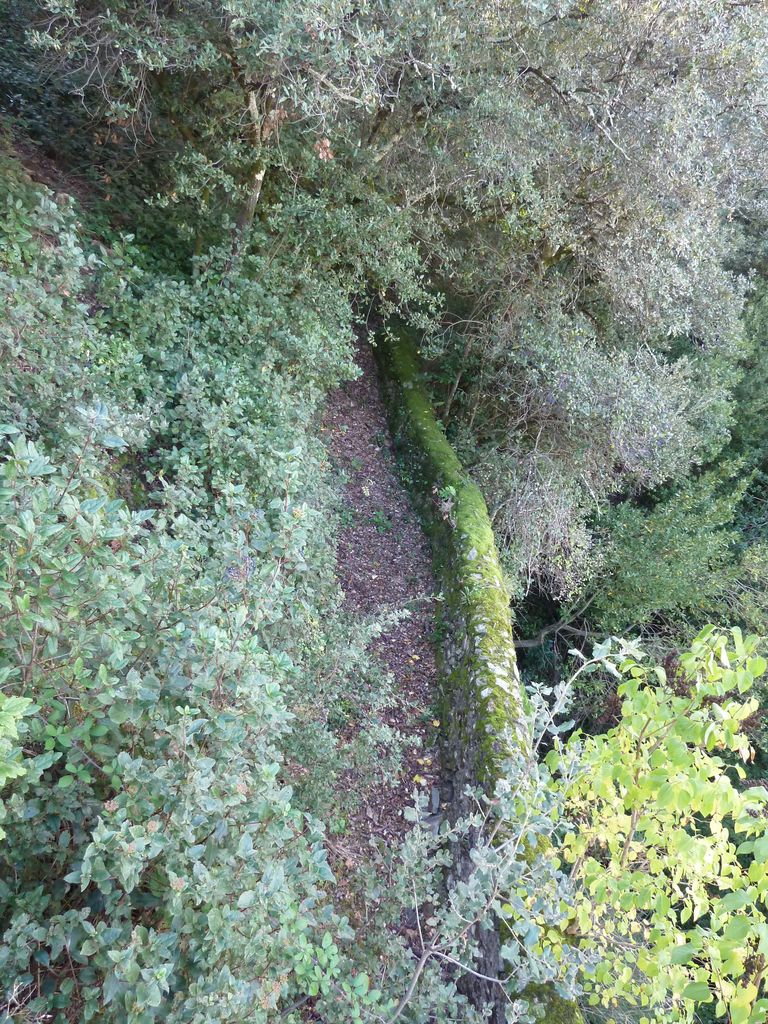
113 441
361 983
682 954
698 991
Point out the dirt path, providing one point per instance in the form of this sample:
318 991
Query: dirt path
384 564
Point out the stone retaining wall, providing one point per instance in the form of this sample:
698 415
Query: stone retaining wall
483 705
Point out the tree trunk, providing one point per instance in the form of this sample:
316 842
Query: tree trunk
247 210
259 130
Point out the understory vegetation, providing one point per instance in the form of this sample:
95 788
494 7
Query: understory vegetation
202 204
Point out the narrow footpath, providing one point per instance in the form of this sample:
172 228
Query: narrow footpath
384 564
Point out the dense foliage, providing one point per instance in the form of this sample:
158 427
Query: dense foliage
667 893
569 199
169 639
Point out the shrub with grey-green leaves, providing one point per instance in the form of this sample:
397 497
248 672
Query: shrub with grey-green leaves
165 518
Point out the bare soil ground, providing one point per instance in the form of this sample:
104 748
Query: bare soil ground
384 564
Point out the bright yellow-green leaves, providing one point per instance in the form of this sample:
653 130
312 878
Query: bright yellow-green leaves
670 853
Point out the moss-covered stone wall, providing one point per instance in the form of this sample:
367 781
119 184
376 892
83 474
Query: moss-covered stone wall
483 705
483 701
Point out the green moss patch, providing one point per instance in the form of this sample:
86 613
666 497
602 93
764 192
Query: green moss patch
483 707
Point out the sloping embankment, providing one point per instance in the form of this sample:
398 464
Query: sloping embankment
483 703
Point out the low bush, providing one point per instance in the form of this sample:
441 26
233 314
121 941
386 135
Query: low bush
165 517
